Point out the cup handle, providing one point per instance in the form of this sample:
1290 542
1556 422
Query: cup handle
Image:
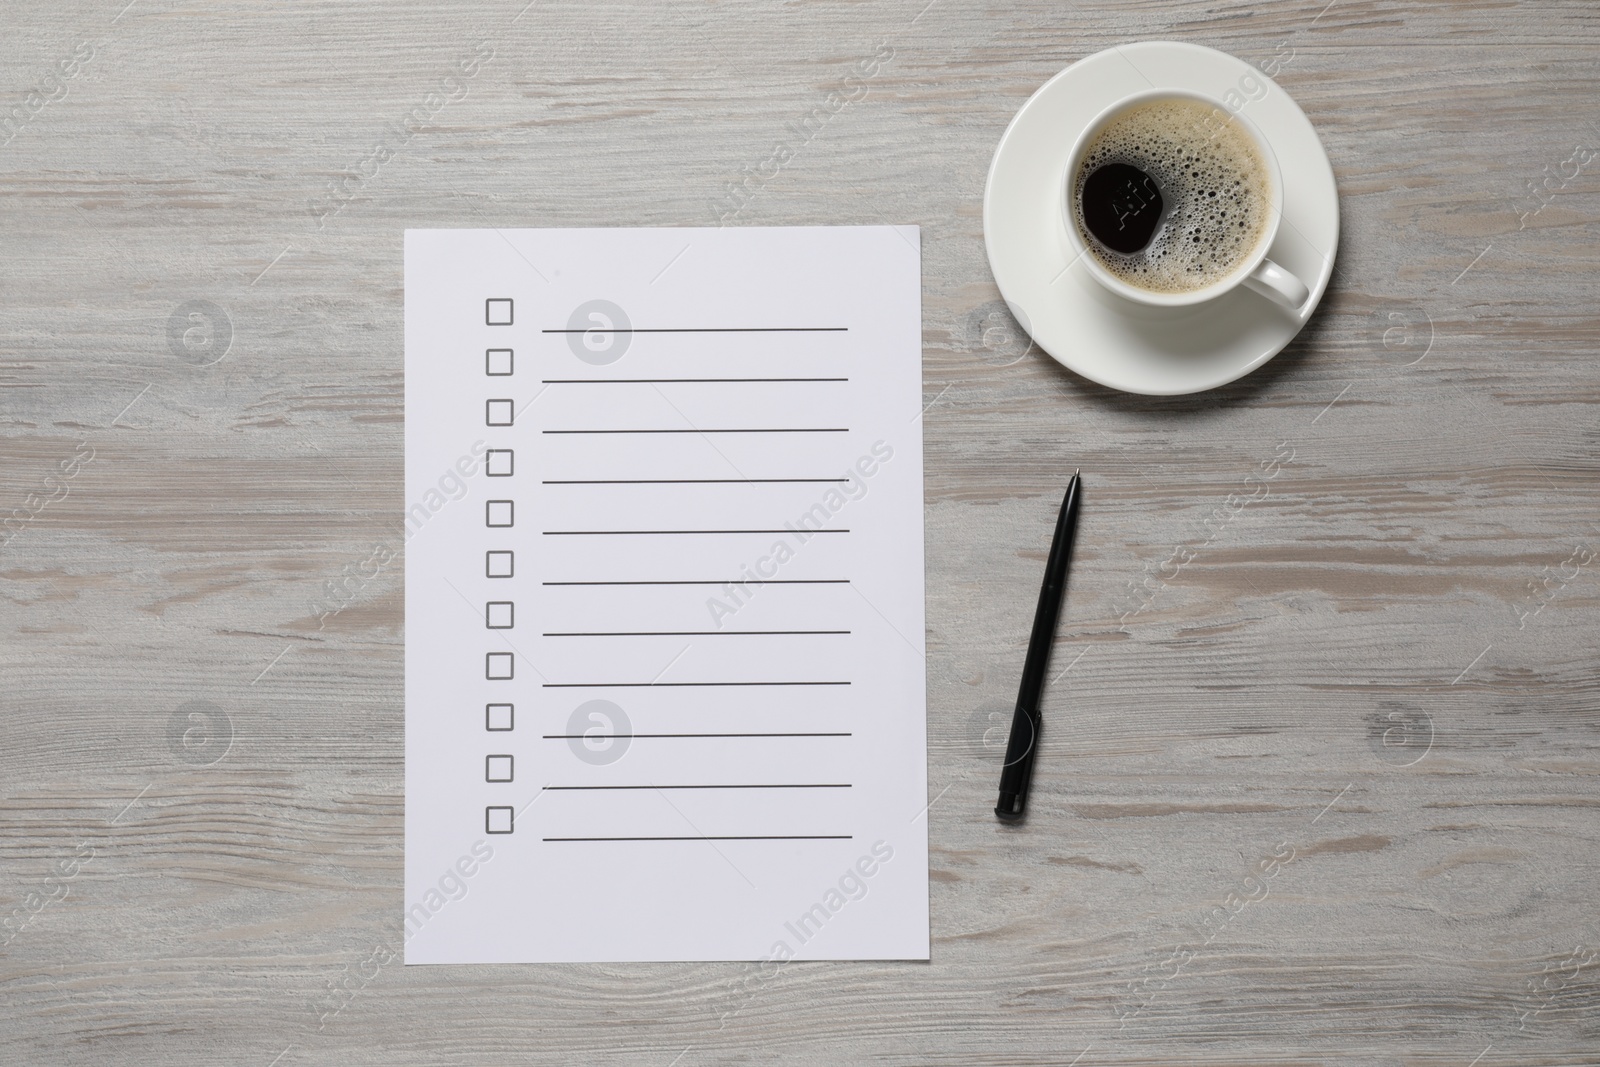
1272 281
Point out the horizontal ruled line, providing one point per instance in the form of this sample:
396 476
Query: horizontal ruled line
752 785
718 581
668 685
726 429
674 381
685 481
729 837
711 329
617 533
692 633
582 737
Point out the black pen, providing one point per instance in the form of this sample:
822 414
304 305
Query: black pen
1020 748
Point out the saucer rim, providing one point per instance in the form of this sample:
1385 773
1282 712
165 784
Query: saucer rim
1292 321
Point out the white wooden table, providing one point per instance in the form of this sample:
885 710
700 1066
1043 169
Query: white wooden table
1320 784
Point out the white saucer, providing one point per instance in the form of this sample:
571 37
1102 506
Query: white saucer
1113 341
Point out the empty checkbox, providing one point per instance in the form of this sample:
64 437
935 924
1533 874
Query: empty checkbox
497 769
498 513
497 614
497 311
498 462
498 564
498 666
497 820
498 362
499 412
499 716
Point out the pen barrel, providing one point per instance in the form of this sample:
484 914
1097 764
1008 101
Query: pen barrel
1025 721
1018 767
1048 613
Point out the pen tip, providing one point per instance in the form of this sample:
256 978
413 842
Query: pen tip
1075 471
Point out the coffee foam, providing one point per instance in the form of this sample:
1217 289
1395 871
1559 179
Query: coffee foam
1212 179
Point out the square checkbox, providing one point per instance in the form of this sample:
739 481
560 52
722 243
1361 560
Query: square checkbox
499 362
498 666
497 768
497 820
498 513
498 462
499 412
497 614
497 311
499 564
499 717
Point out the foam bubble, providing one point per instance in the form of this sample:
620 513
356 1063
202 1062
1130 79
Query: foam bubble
1213 183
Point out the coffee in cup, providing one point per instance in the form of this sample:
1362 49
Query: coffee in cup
1172 201
1169 200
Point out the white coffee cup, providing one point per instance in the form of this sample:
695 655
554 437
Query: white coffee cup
1256 272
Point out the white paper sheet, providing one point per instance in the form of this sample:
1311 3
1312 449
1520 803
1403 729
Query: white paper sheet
664 595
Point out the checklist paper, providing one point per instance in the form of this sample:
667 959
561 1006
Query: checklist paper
665 691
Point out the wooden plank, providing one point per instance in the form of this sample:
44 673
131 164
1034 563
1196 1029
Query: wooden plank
1318 784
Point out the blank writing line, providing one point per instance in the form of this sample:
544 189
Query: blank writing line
715 329
666 381
722 581
611 533
580 737
756 785
682 685
684 480
747 429
694 633
739 837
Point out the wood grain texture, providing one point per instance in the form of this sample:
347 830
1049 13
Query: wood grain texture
1322 787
